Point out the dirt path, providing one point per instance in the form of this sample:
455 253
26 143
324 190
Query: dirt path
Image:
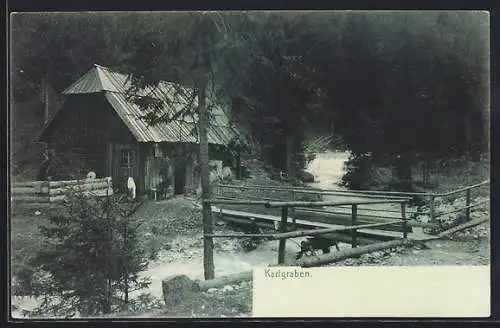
228 259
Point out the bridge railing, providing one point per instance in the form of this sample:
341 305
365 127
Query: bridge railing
286 205
255 192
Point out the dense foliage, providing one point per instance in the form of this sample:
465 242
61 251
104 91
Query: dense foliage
388 83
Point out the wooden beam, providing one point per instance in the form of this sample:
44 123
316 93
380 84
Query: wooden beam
27 184
23 191
30 199
461 227
350 252
236 202
225 280
463 189
299 233
314 204
354 193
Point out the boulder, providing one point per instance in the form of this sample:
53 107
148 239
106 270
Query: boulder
178 289
305 176
424 218
438 201
226 174
213 177
228 288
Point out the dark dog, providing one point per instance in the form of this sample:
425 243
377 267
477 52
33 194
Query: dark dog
310 245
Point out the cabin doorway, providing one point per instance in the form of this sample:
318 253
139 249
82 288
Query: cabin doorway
180 177
124 166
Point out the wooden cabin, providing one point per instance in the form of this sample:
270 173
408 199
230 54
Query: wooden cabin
110 136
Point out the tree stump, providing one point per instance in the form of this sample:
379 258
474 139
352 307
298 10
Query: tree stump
178 289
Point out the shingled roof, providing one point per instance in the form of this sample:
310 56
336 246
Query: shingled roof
114 85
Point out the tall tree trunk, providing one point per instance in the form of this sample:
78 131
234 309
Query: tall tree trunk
203 64
290 165
208 245
45 99
403 169
426 171
238 165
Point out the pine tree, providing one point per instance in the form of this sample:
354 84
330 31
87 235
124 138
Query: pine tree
92 257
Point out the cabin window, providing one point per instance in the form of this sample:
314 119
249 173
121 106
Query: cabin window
157 152
126 157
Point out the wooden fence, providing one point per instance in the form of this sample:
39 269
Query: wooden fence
372 198
48 192
283 235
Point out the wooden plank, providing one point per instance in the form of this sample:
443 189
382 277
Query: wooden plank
243 217
55 199
357 193
336 236
64 183
23 191
236 202
247 214
31 205
224 280
341 207
294 234
28 184
83 187
101 192
344 219
28 199
317 204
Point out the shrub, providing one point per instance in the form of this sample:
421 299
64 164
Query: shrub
91 260
357 172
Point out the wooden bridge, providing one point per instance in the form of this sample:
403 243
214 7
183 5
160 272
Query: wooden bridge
354 217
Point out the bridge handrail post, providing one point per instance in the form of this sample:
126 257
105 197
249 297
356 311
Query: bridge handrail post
354 215
405 220
467 204
282 241
432 212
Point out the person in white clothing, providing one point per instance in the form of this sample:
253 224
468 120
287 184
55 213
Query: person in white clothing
131 188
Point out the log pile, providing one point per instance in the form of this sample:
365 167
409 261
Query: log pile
47 192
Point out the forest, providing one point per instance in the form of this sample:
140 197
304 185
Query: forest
395 85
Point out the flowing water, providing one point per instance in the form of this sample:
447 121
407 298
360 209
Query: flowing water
328 169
